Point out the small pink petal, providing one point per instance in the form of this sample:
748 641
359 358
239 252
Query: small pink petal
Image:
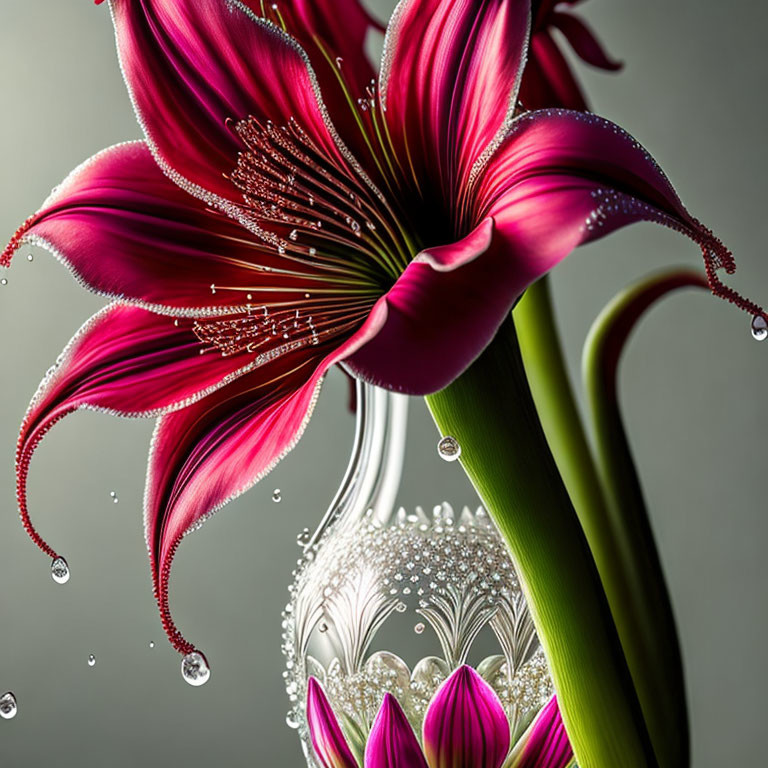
584 42
128 361
465 725
546 745
328 740
392 742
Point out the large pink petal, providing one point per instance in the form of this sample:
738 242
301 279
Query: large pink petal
127 361
194 65
126 231
565 178
546 744
213 451
392 742
440 314
327 738
465 725
334 34
449 80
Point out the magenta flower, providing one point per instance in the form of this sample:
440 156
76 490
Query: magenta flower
464 727
548 79
284 213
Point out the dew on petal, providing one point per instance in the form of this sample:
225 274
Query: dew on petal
195 669
449 448
401 607
759 328
304 537
91 660
60 570
8 706
277 496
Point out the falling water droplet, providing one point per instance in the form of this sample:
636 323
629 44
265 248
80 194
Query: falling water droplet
449 448
292 721
151 643
195 669
30 257
60 570
8 706
419 628
91 660
113 496
304 538
4 281
759 328
277 496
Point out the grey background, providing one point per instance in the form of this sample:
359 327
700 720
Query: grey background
693 386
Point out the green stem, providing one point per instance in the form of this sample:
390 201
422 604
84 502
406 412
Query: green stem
623 543
490 411
553 394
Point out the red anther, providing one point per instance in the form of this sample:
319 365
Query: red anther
15 243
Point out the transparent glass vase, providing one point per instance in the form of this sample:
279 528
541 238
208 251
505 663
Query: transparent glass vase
388 600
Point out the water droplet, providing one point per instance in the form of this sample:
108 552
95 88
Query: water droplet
277 496
339 61
323 628
91 660
213 288
4 281
30 257
294 235
401 607
419 628
113 496
304 537
8 706
292 721
151 643
759 328
449 448
60 570
195 669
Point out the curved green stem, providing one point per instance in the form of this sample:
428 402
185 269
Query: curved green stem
489 409
623 540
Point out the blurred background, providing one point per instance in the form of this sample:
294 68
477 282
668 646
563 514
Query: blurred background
693 94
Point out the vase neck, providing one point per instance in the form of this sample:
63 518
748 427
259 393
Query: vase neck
372 479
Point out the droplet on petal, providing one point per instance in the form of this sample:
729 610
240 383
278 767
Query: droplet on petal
419 628
60 570
277 496
195 669
339 61
759 328
401 607
304 537
213 288
449 448
8 706
91 660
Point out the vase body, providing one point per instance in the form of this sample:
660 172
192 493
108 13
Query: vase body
388 600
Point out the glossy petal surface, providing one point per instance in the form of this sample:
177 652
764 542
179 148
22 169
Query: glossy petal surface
127 361
547 744
450 77
441 314
194 65
392 742
330 745
465 725
126 231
